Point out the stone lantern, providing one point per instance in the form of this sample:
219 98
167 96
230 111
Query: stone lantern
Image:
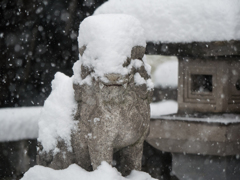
204 136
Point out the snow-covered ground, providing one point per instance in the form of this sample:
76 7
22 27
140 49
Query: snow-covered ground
181 21
74 172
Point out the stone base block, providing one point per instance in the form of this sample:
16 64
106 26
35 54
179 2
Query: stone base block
199 167
176 134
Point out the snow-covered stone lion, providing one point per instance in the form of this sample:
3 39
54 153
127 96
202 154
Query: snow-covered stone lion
113 89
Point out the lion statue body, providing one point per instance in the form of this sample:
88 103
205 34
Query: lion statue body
112 115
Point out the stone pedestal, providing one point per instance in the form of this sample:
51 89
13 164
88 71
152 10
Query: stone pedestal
203 147
207 135
199 167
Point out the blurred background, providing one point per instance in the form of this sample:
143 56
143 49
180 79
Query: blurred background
37 39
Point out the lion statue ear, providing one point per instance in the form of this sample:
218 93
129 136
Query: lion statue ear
138 52
82 49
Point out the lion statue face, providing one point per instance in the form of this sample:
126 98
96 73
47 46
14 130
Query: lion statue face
115 85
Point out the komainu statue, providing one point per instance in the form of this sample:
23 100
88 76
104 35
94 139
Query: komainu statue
113 112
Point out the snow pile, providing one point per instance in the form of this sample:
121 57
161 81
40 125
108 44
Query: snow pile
56 121
166 74
19 123
181 20
74 172
163 108
109 40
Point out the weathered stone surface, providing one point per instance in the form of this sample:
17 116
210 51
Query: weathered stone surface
111 117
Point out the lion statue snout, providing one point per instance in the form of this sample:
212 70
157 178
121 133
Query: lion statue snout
116 79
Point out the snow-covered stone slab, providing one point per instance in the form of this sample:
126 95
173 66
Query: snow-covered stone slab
199 117
19 123
74 172
163 108
182 21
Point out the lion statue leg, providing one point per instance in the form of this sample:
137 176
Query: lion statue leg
131 157
80 148
100 148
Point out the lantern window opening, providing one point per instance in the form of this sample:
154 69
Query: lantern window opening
201 83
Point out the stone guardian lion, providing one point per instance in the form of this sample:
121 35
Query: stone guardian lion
113 115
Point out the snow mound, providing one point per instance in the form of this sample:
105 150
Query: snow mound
163 108
181 21
74 172
19 123
166 74
57 118
109 40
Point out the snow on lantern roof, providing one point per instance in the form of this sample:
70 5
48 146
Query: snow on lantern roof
19 123
182 20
